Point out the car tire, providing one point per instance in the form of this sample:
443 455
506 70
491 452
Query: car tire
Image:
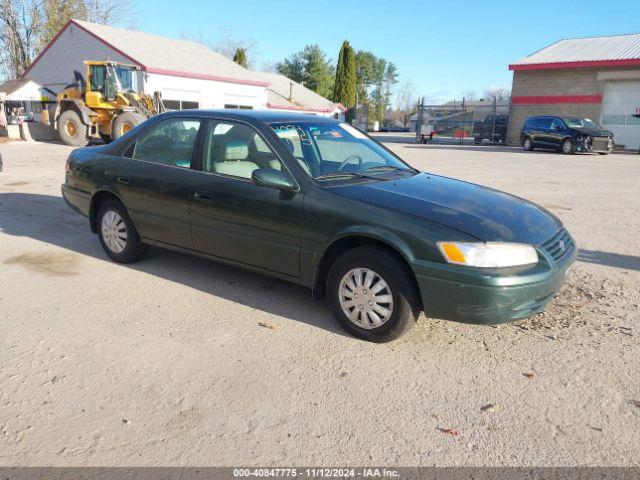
118 236
568 147
72 130
527 144
377 269
125 122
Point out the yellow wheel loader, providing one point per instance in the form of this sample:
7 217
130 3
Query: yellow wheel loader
106 105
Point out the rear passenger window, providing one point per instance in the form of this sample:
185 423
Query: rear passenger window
544 122
169 143
236 150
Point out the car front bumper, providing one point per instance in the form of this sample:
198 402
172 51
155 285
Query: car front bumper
471 295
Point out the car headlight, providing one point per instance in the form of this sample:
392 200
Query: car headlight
488 254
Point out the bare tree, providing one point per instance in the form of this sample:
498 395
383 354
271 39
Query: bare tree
27 26
497 92
470 94
406 101
19 24
226 44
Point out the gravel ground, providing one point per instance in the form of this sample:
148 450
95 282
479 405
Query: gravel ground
180 361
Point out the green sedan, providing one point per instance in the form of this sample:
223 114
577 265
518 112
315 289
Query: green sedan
315 201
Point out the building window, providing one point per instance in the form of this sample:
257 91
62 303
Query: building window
180 105
236 107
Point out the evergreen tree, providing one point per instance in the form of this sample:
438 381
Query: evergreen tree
311 68
240 57
344 89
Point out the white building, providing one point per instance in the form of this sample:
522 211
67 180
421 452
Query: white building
24 96
188 74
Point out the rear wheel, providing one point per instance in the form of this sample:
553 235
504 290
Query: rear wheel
118 236
72 130
126 121
568 147
527 144
372 295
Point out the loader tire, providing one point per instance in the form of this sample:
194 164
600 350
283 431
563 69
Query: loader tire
72 129
124 122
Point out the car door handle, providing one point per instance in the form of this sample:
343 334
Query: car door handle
203 196
124 180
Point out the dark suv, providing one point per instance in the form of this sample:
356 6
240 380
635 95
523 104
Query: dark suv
566 134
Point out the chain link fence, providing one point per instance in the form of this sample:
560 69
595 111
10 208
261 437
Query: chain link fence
458 122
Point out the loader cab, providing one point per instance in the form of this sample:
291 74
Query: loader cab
107 79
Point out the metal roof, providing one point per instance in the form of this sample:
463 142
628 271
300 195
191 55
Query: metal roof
616 50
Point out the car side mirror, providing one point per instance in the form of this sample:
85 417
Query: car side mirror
271 178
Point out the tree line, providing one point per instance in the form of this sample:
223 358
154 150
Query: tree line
358 77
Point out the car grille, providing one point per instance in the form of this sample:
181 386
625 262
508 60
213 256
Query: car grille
600 144
559 246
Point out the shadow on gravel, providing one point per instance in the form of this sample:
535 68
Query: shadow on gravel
48 219
609 259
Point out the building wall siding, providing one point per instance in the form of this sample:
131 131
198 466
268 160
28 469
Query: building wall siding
569 81
208 93
54 68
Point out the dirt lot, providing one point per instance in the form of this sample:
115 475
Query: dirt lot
180 361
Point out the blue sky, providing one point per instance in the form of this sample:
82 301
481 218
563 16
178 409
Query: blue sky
443 47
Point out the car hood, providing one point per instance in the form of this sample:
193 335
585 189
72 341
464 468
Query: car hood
593 132
487 214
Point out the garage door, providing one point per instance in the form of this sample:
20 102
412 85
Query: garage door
621 112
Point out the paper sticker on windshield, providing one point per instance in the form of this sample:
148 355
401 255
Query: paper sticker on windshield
352 130
287 132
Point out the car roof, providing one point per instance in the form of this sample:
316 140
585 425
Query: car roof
266 116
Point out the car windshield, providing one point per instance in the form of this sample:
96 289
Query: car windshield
337 150
575 122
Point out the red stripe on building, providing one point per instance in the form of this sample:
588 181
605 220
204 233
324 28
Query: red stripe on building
554 99
629 62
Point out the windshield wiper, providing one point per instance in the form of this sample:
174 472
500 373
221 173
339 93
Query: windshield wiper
332 175
390 168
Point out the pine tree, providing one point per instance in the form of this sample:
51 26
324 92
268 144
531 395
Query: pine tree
344 90
240 57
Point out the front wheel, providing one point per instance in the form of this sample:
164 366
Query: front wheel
528 144
118 236
72 130
372 294
568 148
